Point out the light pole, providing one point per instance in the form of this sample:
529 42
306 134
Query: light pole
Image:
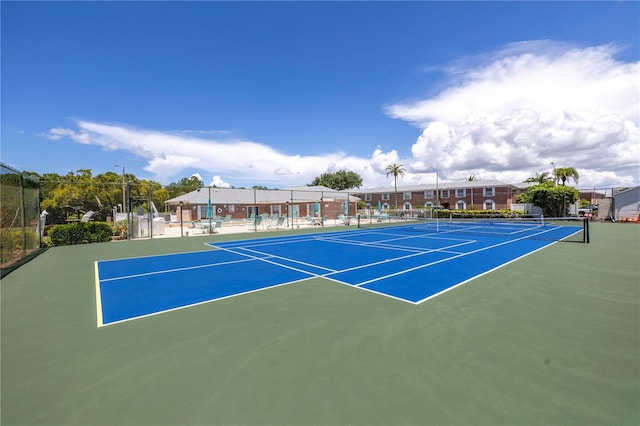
437 186
181 230
437 189
210 209
287 212
124 187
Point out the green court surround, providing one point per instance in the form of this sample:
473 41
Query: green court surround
552 339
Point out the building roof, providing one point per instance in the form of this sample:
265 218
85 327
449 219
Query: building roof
624 191
262 196
432 186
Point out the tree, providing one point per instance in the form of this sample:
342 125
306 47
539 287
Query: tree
551 198
566 173
78 192
342 179
539 178
396 170
184 185
472 178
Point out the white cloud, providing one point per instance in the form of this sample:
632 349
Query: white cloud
216 181
60 133
504 115
232 161
511 113
219 183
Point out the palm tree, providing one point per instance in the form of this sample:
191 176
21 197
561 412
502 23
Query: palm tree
539 178
472 178
396 170
566 173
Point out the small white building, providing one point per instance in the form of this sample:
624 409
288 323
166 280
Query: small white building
626 203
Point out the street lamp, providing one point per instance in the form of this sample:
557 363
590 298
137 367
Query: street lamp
181 230
210 209
124 187
437 186
287 213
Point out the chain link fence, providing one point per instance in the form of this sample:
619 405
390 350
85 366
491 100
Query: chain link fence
20 224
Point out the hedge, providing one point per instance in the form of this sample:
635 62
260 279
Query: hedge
80 233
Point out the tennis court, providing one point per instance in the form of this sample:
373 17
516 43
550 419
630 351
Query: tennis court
410 262
549 339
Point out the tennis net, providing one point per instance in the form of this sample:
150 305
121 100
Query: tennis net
555 229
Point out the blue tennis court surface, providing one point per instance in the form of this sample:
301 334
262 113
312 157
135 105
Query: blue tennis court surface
399 262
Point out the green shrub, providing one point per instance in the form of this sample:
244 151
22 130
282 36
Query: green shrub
80 233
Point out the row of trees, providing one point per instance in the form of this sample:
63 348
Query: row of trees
72 195
77 192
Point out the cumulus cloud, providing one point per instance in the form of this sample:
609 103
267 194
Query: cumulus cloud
502 115
232 161
510 113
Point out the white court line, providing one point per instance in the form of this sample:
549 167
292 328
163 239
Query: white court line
203 302
158 255
98 296
263 259
164 271
370 244
443 249
418 253
379 293
260 242
250 257
451 258
415 252
480 275
378 263
269 255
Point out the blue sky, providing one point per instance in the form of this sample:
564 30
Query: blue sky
276 93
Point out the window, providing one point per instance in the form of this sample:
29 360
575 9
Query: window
407 206
385 197
232 208
460 205
428 194
444 193
367 197
406 195
202 212
385 206
489 205
428 204
461 193
488 192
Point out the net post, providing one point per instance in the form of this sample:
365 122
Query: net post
585 238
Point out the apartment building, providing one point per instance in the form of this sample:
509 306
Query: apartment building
480 195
